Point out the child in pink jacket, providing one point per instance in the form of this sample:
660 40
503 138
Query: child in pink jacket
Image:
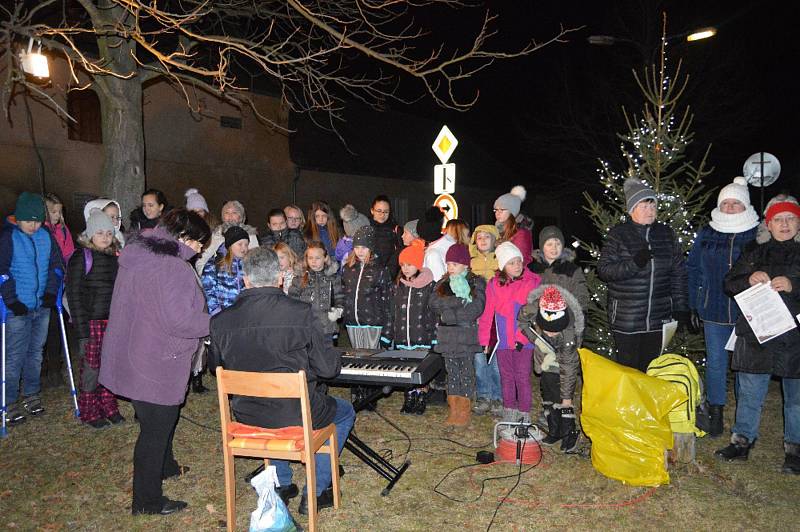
505 295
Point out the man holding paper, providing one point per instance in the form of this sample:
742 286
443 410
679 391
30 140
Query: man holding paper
774 261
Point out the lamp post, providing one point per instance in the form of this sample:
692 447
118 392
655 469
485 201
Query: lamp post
690 36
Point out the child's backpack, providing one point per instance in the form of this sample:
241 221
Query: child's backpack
681 371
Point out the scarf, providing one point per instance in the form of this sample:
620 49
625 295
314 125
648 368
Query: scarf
734 223
460 286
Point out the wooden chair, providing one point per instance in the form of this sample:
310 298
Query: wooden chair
282 444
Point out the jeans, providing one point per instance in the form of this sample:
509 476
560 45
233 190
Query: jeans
487 378
344 419
717 362
152 455
752 390
25 337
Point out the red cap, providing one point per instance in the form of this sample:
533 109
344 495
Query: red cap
783 206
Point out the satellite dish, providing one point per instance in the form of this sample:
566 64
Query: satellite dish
753 169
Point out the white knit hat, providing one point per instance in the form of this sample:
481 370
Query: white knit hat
737 191
195 201
505 252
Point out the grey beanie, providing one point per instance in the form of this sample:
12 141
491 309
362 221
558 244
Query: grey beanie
98 221
551 231
352 219
411 227
365 236
636 191
511 201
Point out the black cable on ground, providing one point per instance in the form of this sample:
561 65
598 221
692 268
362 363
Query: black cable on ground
519 478
193 422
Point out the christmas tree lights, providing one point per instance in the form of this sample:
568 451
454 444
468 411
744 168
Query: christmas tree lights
653 149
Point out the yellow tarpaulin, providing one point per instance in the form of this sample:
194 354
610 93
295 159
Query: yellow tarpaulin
626 415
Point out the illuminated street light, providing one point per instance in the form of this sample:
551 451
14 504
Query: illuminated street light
34 63
703 33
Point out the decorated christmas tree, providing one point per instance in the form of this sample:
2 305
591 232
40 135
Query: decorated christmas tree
654 151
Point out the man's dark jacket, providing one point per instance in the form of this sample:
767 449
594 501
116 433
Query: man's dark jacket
266 331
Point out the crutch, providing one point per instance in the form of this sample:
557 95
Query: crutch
60 308
3 316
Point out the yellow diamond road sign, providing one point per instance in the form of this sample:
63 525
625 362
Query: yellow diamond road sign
445 144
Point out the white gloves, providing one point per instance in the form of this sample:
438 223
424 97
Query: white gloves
335 313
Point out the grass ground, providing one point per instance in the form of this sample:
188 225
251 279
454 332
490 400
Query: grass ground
59 475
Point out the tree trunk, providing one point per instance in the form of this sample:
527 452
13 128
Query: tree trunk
123 176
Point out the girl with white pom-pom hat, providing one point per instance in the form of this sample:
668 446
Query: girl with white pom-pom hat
506 209
716 248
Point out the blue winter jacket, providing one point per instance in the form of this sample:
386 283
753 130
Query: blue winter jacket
711 257
222 287
30 262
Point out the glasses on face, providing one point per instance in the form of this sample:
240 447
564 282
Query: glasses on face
784 219
116 218
500 210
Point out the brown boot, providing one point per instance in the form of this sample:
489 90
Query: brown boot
464 411
452 416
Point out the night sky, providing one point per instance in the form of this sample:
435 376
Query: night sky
549 116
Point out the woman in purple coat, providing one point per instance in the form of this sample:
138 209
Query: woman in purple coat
157 317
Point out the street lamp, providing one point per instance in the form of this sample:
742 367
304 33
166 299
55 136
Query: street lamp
34 63
691 36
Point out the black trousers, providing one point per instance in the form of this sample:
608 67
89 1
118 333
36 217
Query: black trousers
637 350
152 456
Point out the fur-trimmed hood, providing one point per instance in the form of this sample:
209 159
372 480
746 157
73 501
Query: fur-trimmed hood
151 245
572 304
567 255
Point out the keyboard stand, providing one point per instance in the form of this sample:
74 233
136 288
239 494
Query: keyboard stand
368 455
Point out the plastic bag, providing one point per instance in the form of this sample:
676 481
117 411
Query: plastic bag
271 515
626 415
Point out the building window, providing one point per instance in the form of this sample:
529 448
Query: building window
84 107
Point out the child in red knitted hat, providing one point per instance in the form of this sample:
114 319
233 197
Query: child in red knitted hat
554 322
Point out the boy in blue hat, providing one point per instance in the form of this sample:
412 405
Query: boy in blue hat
29 257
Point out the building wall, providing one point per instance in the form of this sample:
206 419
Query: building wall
190 149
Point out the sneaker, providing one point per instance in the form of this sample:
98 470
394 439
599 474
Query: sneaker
287 492
791 464
116 418
496 408
482 406
324 500
168 507
99 424
33 405
15 414
422 402
739 449
409 402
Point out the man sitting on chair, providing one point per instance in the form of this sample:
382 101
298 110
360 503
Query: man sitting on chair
266 331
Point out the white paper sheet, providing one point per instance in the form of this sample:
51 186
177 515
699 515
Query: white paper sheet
667 332
730 345
765 312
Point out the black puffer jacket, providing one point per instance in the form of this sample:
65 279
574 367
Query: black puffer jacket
89 295
779 356
388 245
457 329
291 237
366 294
411 320
323 290
642 299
